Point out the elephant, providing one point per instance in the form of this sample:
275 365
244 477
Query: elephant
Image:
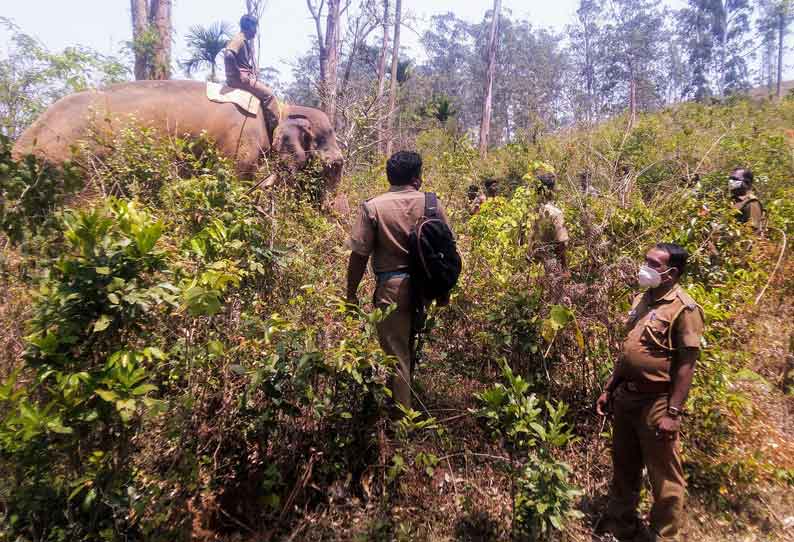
177 108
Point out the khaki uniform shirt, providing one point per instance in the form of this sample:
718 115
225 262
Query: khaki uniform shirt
243 53
750 209
550 225
384 224
656 329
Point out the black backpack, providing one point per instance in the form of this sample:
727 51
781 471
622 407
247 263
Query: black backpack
435 262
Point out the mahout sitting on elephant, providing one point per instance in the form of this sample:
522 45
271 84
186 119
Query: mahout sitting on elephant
179 108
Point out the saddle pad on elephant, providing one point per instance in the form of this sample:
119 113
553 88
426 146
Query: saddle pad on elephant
242 98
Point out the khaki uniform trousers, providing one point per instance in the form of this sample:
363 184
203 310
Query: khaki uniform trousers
394 333
265 95
257 88
635 445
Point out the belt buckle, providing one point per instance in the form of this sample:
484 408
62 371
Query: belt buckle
631 386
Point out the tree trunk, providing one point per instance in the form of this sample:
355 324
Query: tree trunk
140 23
395 60
332 59
723 44
160 18
632 101
382 73
485 123
351 59
781 29
254 7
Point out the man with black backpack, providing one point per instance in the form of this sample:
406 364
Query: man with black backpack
414 259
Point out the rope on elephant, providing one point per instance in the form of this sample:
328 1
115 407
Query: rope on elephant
283 113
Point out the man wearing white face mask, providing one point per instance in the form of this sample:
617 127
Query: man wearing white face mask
745 201
647 392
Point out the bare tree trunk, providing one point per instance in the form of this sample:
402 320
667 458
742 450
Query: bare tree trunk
160 18
328 44
363 30
395 60
781 28
723 44
332 56
382 71
632 101
589 73
255 7
140 24
485 123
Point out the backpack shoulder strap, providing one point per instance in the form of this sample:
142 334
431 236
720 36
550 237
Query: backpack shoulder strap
431 205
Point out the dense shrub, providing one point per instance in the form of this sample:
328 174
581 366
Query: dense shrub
191 371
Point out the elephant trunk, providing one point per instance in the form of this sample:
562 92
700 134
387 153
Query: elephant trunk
333 164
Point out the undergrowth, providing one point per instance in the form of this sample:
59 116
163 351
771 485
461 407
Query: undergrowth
189 369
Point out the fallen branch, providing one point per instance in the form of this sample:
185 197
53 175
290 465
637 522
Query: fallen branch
300 485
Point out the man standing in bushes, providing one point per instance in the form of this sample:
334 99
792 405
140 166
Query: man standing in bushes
647 392
382 229
744 200
550 236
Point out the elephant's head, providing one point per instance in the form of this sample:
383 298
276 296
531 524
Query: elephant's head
306 134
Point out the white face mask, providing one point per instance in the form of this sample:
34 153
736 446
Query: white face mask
649 277
734 184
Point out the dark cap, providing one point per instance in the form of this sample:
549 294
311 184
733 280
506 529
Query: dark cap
248 22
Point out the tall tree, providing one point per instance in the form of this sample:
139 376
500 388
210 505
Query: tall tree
485 123
151 38
584 36
160 17
384 48
140 27
328 46
454 66
587 59
773 22
204 45
634 68
395 61
715 33
366 21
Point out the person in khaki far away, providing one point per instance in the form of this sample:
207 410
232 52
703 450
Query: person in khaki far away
744 200
382 230
646 394
550 236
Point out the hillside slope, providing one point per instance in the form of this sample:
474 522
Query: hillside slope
186 369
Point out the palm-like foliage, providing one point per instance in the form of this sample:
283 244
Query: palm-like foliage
204 45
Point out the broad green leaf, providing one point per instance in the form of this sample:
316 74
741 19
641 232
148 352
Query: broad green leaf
102 323
144 389
56 426
107 395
